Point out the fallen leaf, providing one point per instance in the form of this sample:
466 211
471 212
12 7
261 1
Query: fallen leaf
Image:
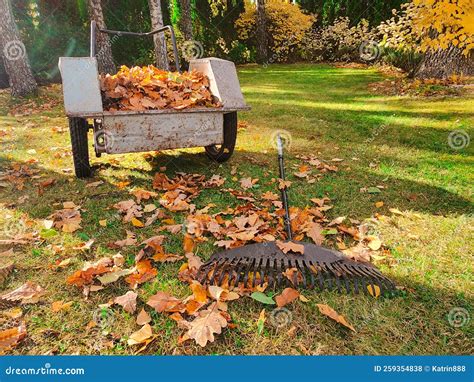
89 271
261 322
28 293
374 242
374 290
140 336
263 298
131 239
5 270
379 204
145 272
128 301
103 223
283 184
303 298
373 190
137 223
331 313
205 325
188 244
164 302
143 317
61 305
314 233
113 276
290 246
286 296
11 337
199 292
395 211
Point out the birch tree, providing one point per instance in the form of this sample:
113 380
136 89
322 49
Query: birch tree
103 44
15 58
156 15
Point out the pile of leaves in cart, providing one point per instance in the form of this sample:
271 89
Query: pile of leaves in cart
203 312
149 88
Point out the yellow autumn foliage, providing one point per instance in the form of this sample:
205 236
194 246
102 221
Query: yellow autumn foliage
432 24
286 24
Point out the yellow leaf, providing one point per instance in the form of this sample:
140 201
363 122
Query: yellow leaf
103 223
374 290
137 223
378 204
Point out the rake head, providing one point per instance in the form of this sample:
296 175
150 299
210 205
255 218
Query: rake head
318 267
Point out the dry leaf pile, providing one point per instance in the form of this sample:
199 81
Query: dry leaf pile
149 88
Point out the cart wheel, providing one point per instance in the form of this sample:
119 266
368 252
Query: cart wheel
80 151
222 153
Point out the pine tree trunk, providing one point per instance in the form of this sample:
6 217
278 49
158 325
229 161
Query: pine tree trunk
104 46
445 63
15 59
186 21
262 38
156 15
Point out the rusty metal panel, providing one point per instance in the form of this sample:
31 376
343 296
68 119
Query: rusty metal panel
223 80
150 132
81 88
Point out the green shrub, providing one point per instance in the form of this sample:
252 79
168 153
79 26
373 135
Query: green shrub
406 59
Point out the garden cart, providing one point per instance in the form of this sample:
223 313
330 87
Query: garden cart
119 132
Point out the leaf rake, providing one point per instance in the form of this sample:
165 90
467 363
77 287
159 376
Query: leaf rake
317 267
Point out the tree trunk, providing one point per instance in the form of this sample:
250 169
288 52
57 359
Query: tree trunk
14 54
262 37
104 46
186 21
443 63
159 39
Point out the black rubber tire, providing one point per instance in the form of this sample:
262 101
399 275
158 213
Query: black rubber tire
224 152
80 150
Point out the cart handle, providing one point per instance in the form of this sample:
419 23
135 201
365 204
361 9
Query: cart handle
138 34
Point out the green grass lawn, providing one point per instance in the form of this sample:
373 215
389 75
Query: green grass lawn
400 143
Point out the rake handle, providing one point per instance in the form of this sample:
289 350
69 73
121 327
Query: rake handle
284 195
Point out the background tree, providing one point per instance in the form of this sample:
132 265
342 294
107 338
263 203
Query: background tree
439 29
158 39
186 21
447 30
262 36
104 45
14 54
